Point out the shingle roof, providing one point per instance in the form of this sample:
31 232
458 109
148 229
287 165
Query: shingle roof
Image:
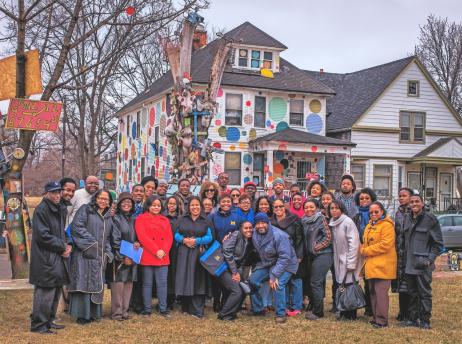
357 91
289 79
434 146
298 136
249 34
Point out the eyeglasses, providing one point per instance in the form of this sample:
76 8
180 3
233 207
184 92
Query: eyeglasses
245 202
278 206
210 190
235 195
374 212
103 199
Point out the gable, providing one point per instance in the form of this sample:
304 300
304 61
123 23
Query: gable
384 113
451 150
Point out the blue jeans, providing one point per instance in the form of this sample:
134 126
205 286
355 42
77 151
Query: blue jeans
262 275
294 294
267 295
160 273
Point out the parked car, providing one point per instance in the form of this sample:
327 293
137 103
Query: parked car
451 227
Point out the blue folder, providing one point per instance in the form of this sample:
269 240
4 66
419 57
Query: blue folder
127 249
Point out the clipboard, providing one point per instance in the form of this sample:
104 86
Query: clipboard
127 249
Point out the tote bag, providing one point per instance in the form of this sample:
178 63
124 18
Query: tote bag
349 296
213 260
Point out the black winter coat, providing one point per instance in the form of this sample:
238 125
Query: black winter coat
90 232
172 255
292 225
236 249
48 269
423 242
400 215
123 229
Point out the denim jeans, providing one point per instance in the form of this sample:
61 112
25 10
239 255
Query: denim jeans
294 294
267 295
257 278
160 273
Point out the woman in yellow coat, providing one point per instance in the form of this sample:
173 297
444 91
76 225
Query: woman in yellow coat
380 266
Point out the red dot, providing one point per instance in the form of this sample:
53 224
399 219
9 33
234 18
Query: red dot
217 122
248 103
130 10
217 145
272 126
314 149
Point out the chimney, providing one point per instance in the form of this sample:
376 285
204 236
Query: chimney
321 71
200 37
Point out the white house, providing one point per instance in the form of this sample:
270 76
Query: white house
405 130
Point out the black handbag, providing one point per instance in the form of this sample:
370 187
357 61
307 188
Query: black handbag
349 296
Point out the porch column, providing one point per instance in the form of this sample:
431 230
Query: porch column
347 163
269 163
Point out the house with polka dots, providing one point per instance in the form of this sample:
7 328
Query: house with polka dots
406 132
270 123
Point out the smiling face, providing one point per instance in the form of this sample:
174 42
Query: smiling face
416 204
235 197
245 204
250 190
263 206
261 227
316 190
247 229
184 187
294 189
225 203
208 205
278 188
210 191
195 207
364 200
172 205
278 208
138 193
326 200
156 207
103 200
375 212
91 184
149 188
223 180
297 202
68 191
310 208
162 189
54 196
126 206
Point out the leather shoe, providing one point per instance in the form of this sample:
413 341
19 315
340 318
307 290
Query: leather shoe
47 331
424 325
56 326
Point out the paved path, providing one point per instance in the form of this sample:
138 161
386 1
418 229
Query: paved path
15 284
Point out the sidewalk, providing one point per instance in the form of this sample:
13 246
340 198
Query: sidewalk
17 284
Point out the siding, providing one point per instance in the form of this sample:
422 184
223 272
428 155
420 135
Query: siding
385 112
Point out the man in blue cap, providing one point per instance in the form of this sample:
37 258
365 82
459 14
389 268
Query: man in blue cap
49 254
278 262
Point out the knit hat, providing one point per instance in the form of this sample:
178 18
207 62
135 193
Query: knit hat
278 181
250 184
261 217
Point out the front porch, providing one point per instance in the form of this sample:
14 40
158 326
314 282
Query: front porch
297 156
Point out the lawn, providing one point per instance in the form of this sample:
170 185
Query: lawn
15 307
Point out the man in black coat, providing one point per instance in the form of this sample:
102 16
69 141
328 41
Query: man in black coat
423 242
49 254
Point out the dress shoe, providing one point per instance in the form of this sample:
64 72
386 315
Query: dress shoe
281 320
311 316
56 326
408 323
424 325
47 331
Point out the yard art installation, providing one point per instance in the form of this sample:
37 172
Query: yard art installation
192 111
33 115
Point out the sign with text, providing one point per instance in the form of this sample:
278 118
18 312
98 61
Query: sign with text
33 115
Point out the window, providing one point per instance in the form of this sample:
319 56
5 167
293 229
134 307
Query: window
128 125
358 172
260 112
258 168
233 167
413 181
457 220
233 111
400 177
156 139
268 59
413 88
243 58
138 124
296 112
383 180
412 125
255 61
445 221
430 182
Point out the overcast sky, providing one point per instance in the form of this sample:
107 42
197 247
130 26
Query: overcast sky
337 35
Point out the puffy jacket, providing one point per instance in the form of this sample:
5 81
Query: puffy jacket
224 223
317 235
379 250
48 268
276 251
249 216
235 250
291 225
423 242
154 233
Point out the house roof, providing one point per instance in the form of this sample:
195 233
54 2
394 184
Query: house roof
298 136
249 34
357 91
434 146
288 79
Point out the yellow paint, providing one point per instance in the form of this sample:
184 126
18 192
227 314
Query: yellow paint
315 106
267 73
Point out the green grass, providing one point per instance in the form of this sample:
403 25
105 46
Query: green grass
15 307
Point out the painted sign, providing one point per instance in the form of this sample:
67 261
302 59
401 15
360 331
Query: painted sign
33 115
8 75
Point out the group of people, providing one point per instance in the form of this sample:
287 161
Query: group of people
278 248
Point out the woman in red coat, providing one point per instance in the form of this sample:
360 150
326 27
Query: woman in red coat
155 236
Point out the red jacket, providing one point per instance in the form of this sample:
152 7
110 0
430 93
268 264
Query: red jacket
154 233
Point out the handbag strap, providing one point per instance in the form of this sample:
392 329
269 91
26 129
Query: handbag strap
354 277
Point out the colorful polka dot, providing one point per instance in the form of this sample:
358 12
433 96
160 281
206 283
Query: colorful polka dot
281 126
218 122
242 145
248 103
217 145
315 106
152 116
248 119
314 149
279 155
314 123
232 134
222 131
247 159
232 147
277 109
246 180
134 130
220 92
285 163
252 134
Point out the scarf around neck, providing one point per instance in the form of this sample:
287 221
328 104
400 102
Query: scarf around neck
311 219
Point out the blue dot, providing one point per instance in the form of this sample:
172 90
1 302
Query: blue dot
246 180
314 123
247 159
279 155
134 130
232 134
281 126
268 123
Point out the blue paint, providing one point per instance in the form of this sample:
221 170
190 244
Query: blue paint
281 126
247 159
134 130
246 180
268 123
285 163
321 166
279 155
314 123
232 134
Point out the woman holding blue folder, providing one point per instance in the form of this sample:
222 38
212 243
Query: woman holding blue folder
192 282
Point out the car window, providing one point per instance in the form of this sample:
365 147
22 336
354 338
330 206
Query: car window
445 221
457 220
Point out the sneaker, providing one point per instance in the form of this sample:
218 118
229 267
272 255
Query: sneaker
311 316
376 325
281 320
46 331
293 313
165 314
197 316
56 326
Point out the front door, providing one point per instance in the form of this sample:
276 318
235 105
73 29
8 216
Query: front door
445 190
303 167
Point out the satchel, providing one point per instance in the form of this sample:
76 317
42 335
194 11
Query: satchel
349 296
213 260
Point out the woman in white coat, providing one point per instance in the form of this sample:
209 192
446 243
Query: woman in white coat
346 243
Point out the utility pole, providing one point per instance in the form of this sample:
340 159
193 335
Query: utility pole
63 158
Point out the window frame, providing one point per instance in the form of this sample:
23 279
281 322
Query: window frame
237 110
357 180
296 113
255 112
390 181
435 181
138 124
248 58
258 171
231 171
416 173
128 125
417 82
157 139
412 115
